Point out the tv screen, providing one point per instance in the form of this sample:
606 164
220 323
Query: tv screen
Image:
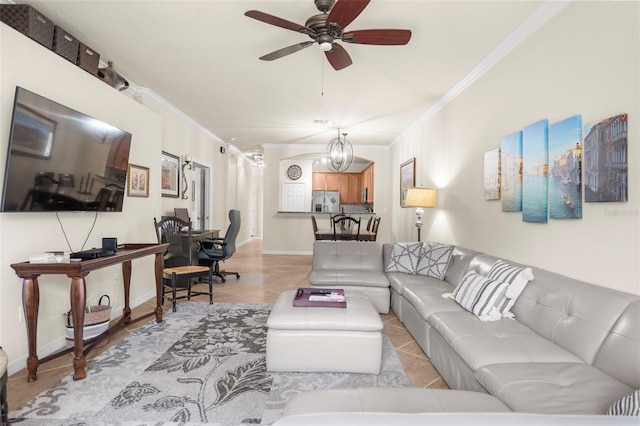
59 159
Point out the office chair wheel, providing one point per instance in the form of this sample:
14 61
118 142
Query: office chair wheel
224 280
238 276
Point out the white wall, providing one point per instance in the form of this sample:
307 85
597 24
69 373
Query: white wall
27 64
585 61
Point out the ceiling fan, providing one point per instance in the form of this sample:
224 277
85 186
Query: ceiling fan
328 27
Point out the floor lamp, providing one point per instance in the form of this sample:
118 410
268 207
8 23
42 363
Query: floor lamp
420 198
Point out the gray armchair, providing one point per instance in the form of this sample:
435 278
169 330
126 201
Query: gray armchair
215 250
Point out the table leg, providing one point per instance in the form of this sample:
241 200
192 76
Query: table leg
126 279
159 266
78 300
30 304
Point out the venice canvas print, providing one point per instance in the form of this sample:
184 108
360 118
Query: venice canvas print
492 174
535 154
511 172
565 169
605 160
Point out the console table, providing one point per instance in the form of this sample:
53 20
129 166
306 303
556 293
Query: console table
77 270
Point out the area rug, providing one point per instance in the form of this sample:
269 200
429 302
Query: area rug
204 364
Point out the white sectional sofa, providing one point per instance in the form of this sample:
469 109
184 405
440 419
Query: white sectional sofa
571 348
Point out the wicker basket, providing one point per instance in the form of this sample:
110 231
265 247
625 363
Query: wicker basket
29 22
65 45
95 314
88 59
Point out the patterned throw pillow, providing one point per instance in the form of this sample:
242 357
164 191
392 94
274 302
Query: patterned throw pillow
479 295
434 260
517 278
404 258
627 406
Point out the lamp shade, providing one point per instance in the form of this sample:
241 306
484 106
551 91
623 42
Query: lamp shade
421 197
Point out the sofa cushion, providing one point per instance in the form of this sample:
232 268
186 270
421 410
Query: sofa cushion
481 343
353 277
347 255
404 258
404 400
517 277
480 295
552 387
627 406
434 260
427 298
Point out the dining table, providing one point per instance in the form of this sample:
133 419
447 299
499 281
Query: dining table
327 234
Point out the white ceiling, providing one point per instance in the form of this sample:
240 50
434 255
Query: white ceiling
202 57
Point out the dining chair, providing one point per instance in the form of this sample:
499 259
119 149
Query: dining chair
179 271
374 228
314 224
369 223
346 228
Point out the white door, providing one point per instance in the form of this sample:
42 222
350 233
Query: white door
293 197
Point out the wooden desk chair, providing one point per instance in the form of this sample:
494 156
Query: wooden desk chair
345 227
178 272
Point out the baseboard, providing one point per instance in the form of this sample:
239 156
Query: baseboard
61 342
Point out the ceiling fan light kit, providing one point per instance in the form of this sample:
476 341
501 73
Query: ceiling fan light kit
328 27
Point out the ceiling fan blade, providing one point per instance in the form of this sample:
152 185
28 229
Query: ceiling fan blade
338 57
345 11
278 22
380 37
286 51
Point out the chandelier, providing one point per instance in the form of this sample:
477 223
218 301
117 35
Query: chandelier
340 153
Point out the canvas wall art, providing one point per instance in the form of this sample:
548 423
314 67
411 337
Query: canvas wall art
605 160
565 169
511 172
492 174
535 154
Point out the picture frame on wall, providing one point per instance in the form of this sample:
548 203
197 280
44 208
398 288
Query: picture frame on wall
170 173
138 181
33 133
407 179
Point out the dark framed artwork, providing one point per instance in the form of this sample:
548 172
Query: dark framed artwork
138 181
605 160
33 133
170 173
407 179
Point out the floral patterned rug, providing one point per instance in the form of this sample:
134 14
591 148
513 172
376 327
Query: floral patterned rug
204 364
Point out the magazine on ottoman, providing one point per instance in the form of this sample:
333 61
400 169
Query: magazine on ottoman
320 297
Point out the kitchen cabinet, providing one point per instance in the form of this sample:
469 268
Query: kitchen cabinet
325 181
367 182
332 181
318 182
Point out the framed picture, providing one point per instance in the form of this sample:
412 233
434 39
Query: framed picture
170 175
138 181
32 133
407 179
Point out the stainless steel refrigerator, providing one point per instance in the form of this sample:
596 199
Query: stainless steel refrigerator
325 201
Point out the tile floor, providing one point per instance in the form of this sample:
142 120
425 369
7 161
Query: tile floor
262 278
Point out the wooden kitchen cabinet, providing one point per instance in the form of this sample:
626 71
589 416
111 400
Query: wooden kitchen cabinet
318 182
367 182
332 181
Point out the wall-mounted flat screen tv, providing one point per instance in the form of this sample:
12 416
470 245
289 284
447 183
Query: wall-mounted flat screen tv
59 159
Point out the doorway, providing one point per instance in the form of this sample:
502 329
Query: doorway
200 195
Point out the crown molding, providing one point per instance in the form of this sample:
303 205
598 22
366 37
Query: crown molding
547 11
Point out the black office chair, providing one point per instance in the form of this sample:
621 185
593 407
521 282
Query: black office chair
215 250
348 227
178 272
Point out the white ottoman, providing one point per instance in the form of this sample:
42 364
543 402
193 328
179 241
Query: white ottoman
311 339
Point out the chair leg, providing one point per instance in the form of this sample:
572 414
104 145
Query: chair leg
210 287
174 284
216 271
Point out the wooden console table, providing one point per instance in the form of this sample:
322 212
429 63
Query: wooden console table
77 270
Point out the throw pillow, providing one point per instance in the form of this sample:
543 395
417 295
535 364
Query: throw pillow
516 277
480 295
434 260
627 406
404 258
